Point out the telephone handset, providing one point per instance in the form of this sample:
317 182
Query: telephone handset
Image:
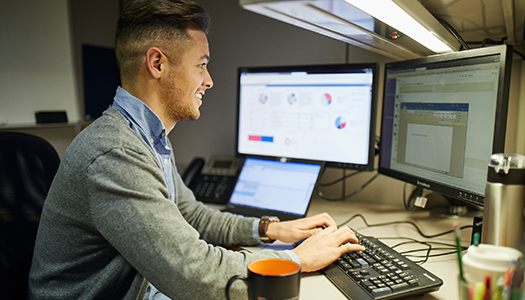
212 181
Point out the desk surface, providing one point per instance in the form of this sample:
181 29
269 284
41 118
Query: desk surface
317 286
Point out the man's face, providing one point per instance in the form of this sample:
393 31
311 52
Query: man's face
187 80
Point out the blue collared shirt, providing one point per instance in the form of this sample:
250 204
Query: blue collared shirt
146 123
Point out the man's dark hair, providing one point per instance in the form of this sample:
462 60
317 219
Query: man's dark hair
155 23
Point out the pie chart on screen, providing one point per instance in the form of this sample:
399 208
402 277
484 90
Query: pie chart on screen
292 98
263 98
340 123
326 99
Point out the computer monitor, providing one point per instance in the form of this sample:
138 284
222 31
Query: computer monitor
101 79
323 113
443 116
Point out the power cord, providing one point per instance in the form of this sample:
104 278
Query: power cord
453 31
344 177
403 222
344 197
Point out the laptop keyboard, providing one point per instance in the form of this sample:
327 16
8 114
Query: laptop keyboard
380 272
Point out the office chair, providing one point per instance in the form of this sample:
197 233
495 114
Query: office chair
27 167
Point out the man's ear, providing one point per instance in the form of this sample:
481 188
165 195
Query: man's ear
154 60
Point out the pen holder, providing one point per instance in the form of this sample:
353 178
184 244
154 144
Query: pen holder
487 261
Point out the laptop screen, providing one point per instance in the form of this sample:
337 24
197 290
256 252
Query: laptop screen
270 185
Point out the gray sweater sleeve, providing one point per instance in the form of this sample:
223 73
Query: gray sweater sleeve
166 242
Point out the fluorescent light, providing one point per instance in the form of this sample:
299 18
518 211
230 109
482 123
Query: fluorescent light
390 13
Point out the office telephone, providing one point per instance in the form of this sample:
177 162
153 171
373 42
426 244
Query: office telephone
212 181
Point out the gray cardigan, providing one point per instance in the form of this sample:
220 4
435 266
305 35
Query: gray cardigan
107 225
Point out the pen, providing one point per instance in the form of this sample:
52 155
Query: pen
517 279
463 285
499 289
455 224
488 291
508 280
479 291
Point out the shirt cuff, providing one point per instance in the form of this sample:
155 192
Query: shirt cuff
256 230
293 256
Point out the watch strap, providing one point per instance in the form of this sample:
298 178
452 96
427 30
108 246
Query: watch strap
263 227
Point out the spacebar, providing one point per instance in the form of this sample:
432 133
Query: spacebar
345 284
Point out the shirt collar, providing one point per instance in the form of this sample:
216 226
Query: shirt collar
139 114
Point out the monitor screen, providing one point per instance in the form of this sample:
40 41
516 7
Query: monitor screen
323 113
101 79
270 185
443 116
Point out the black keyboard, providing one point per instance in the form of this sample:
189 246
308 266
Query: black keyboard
380 272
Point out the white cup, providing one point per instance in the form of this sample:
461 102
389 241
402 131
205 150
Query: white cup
487 260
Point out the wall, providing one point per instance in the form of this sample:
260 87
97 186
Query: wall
36 65
89 22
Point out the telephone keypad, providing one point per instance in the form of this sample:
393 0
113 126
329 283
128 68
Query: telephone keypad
213 188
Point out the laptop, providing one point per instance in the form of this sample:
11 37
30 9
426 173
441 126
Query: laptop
280 188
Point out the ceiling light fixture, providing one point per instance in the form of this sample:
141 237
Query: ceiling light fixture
407 16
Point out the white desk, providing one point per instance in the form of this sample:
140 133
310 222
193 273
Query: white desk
317 286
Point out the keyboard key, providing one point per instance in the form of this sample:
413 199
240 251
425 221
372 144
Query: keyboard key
399 287
362 262
377 292
413 282
367 284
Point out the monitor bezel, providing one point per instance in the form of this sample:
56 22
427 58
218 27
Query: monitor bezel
500 124
333 68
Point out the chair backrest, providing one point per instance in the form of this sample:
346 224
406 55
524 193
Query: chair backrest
28 165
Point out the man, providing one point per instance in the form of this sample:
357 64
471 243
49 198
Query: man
118 222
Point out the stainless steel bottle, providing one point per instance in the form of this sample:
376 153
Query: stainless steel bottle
503 221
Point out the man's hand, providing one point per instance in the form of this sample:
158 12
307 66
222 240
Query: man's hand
296 230
325 246
324 242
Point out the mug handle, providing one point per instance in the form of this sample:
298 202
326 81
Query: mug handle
230 282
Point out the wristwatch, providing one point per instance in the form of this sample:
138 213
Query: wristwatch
263 227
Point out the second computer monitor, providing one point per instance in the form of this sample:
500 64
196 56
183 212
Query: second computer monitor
322 113
443 117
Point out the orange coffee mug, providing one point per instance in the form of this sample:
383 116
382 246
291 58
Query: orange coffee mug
272 279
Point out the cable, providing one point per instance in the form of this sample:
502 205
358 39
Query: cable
464 44
449 245
403 222
407 252
453 31
322 196
520 54
410 202
419 242
428 244
337 180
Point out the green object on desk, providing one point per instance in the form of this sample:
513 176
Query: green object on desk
458 249
475 239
